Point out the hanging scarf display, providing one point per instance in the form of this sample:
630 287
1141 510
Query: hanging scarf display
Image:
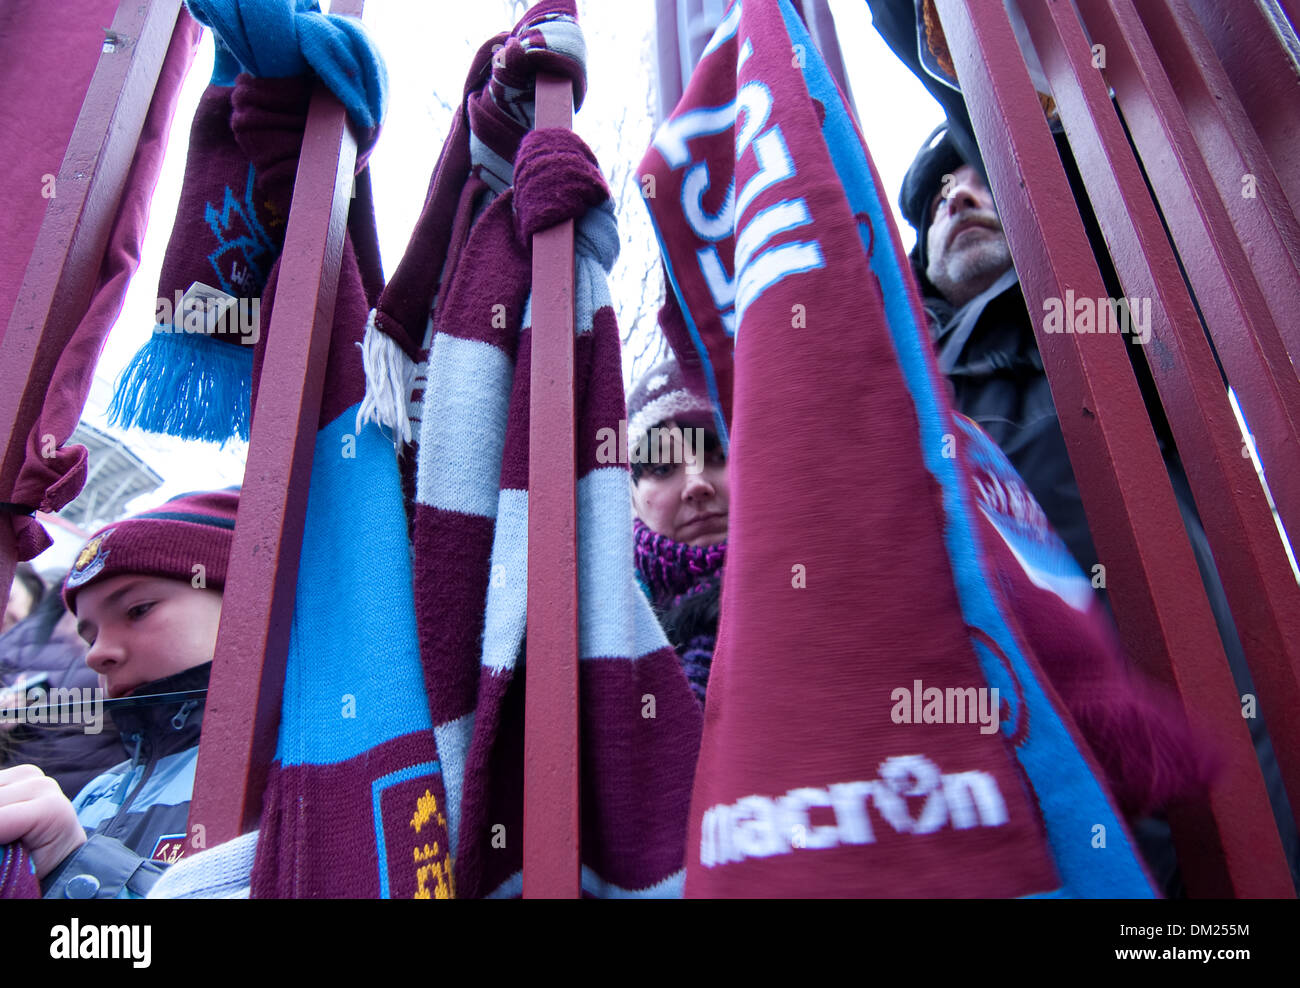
193 379
354 805
50 479
871 554
497 184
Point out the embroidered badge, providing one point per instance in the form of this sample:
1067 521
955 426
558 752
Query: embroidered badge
170 848
1009 506
90 560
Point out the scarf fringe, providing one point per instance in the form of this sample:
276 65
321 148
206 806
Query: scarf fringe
390 379
186 386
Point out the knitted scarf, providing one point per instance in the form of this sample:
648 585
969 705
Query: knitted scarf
671 571
471 497
673 574
226 237
863 577
354 805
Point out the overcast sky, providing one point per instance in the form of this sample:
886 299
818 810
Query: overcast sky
427 47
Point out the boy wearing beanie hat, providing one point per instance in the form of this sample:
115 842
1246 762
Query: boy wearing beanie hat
146 592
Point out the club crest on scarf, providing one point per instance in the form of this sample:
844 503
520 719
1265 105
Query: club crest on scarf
1007 503
169 848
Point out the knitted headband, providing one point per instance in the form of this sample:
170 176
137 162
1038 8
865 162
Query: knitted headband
662 394
171 540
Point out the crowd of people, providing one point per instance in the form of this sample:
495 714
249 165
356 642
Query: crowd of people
104 814
128 616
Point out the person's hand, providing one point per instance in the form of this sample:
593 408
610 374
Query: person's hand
34 810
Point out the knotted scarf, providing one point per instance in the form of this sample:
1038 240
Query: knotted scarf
193 378
873 543
638 721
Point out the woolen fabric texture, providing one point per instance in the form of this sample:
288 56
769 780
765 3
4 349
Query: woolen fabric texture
227 233
661 394
880 549
354 804
671 570
684 584
276 39
44 482
472 502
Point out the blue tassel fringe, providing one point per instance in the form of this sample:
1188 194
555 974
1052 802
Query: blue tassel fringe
186 385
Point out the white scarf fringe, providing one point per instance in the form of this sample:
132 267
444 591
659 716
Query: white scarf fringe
390 378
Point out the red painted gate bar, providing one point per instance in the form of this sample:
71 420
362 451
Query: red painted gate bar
65 259
1247 327
552 867
1247 39
242 717
1162 611
1198 125
1261 589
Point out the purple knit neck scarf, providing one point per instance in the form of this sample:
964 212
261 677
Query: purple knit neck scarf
673 570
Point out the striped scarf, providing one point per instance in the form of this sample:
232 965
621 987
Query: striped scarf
496 185
863 576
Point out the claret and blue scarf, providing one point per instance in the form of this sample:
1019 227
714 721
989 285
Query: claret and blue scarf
881 553
418 791
354 805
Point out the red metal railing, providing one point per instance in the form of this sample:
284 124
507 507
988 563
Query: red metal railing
1161 608
1198 125
551 863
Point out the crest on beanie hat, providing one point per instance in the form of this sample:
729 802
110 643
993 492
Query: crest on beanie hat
167 541
90 560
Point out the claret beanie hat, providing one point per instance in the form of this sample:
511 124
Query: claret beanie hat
168 541
662 394
938 157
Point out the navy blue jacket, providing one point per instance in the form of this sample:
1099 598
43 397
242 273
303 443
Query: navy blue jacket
136 813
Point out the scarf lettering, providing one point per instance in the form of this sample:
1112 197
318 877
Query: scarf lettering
759 826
